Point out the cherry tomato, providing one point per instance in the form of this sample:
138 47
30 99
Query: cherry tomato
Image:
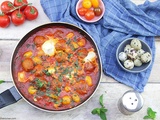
30 12
82 11
4 20
95 3
89 15
6 7
20 3
17 17
87 4
97 11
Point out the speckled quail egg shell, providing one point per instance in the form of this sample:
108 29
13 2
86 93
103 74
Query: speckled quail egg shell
140 52
127 48
129 64
146 57
132 54
137 62
122 56
136 44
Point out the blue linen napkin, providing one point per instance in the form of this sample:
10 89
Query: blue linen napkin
122 19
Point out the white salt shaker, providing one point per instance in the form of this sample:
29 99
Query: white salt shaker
130 102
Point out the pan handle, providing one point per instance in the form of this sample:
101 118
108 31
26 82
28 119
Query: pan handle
9 96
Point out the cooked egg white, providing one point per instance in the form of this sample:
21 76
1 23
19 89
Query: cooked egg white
48 47
90 57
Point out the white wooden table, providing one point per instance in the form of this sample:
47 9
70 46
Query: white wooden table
111 89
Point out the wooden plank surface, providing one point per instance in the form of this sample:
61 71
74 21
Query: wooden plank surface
111 89
112 93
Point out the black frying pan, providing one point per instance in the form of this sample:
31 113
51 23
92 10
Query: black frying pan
13 94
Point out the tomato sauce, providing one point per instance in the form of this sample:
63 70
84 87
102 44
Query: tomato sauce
56 68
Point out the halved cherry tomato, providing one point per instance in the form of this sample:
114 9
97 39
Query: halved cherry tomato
20 3
89 15
6 7
31 12
82 11
97 11
17 17
4 20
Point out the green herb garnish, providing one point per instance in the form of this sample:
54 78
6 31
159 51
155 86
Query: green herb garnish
46 72
65 71
39 83
75 39
60 78
150 114
2 81
100 111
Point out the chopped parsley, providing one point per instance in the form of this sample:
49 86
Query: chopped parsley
39 83
46 72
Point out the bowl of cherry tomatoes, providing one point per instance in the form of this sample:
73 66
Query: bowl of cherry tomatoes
90 10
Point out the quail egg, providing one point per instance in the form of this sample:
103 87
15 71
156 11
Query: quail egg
146 57
140 52
137 62
127 48
122 56
136 44
132 54
128 64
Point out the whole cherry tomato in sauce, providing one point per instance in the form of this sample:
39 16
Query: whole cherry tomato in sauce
30 12
7 7
4 21
82 11
97 11
17 17
89 15
22 3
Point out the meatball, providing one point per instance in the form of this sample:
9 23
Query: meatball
82 53
61 56
60 45
38 70
89 67
28 64
39 40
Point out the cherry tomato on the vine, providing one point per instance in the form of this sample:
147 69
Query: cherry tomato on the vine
18 3
17 17
30 12
82 11
89 15
6 7
4 21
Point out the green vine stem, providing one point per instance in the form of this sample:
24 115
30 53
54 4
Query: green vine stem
15 8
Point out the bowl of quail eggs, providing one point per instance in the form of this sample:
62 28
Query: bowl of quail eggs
134 55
